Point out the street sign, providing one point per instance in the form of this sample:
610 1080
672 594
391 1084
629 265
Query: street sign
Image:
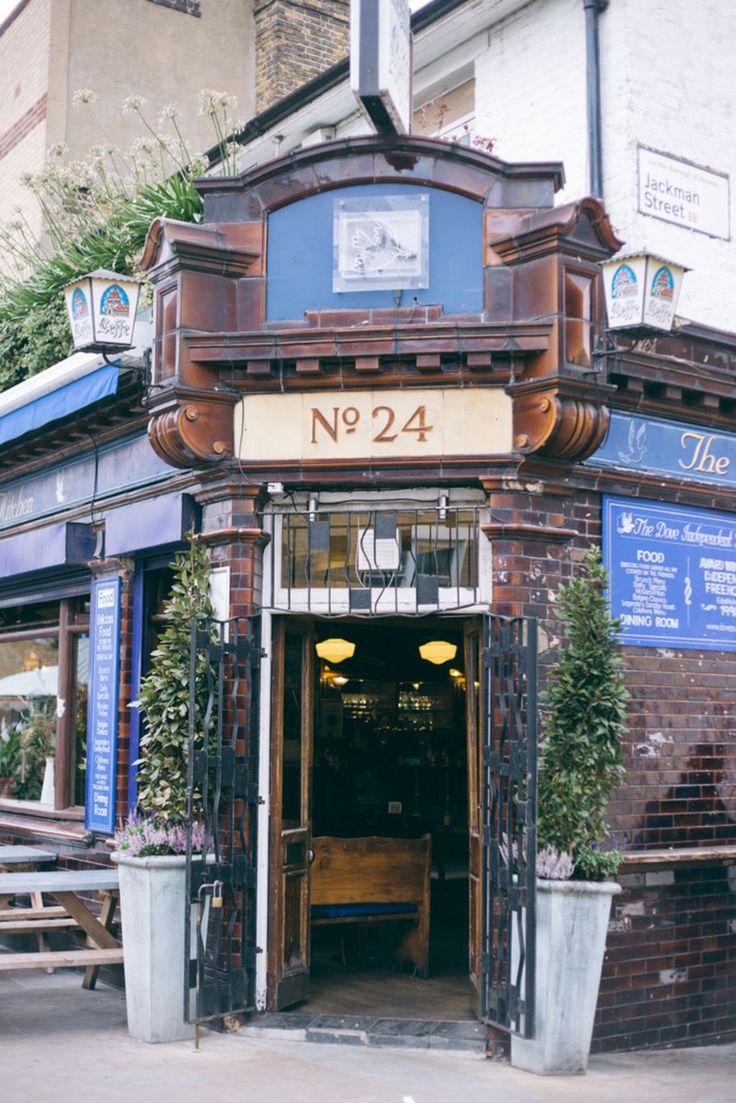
380 62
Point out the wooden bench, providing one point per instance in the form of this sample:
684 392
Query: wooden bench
64 885
375 880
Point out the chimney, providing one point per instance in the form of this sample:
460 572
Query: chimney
295 41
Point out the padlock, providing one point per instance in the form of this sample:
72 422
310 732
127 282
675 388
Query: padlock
217 894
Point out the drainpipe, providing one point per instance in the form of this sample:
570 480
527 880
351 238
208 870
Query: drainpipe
593 8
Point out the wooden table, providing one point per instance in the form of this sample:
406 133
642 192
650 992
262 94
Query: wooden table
25 856
64 885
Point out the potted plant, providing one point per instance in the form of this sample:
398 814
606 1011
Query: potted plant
583 720
151 846
9 758
33 774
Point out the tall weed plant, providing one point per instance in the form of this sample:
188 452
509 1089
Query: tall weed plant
96 214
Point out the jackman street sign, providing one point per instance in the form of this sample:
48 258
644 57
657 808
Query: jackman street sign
683 193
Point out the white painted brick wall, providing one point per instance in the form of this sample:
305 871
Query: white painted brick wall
668 82
530 89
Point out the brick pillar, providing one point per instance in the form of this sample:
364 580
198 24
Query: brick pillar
297 40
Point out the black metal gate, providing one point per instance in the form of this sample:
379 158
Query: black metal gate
509 822
222 802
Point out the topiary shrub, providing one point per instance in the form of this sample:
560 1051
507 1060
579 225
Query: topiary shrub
164 694
583 720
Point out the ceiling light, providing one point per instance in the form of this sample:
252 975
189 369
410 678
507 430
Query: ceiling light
438 651
335 650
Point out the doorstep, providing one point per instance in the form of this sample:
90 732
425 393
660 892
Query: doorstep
363 1030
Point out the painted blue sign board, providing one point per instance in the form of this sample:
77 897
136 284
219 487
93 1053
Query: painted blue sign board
668 448
102 717
672 574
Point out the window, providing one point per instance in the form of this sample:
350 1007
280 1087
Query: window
578 318
44 681
448 114
381 560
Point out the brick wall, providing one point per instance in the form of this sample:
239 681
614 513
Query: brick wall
295 41
24 68
669 975
670 972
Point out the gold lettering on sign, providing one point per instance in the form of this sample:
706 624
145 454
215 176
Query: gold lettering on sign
701 457
348 417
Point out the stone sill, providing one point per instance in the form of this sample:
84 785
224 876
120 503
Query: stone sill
642 860
53 825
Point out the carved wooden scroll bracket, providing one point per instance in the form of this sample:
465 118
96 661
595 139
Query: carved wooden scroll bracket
192 428
560 418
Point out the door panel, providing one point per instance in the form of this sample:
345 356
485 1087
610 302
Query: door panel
475 817
293 651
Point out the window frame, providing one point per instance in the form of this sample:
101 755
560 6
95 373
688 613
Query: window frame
72 622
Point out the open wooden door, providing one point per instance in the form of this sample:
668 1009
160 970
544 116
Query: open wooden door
473 683
291 761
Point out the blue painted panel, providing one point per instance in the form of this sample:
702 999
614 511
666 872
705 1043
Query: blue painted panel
300 255
668 448
102 715
123 465
672 574
134 722
64 544
150 523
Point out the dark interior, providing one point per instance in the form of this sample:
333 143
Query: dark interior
390 759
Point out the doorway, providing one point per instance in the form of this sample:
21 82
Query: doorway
370 840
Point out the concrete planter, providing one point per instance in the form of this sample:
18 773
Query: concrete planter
153 902
572 923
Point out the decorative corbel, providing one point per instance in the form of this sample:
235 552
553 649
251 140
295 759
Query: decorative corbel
562 419
192 428
195 272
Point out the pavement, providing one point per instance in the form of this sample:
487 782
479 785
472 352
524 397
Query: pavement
59 1043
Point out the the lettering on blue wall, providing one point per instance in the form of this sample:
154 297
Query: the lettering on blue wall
102 718
123 465
15 504
672 574
668 448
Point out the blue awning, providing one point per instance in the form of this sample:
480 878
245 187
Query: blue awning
153 522
57 404
67 543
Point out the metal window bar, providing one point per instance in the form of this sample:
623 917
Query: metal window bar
509 823
374 562
221 804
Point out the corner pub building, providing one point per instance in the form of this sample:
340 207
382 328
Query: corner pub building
376 397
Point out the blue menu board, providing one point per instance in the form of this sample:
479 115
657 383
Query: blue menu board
672 574
102 717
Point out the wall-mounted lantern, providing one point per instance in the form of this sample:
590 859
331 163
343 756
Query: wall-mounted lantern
641 291
102 308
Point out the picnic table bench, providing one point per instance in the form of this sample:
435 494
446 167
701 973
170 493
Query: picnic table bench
64 885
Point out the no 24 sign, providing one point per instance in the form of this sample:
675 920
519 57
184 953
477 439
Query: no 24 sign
385 426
